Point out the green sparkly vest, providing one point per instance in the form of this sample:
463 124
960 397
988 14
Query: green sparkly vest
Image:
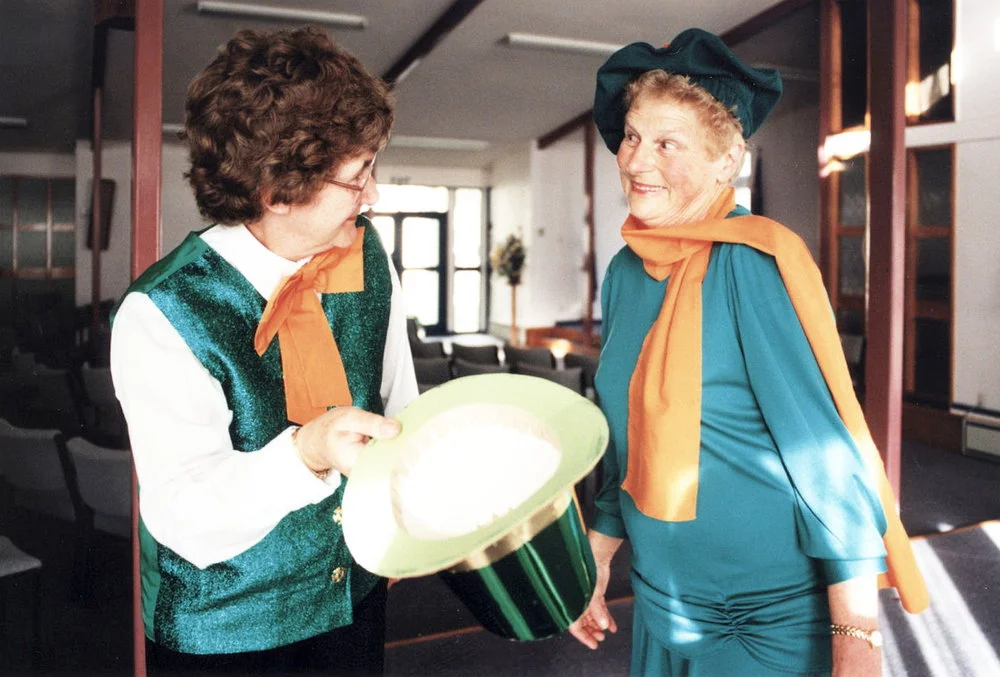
300 580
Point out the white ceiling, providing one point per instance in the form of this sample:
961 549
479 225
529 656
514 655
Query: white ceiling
471 86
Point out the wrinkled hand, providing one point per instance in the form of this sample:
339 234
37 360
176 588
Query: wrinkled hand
333 440
591 627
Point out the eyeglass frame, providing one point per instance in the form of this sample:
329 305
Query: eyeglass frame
353 186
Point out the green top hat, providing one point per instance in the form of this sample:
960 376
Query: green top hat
749 92
398 486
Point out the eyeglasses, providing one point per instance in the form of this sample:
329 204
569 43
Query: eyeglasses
357 188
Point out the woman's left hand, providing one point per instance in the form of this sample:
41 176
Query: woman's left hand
855 602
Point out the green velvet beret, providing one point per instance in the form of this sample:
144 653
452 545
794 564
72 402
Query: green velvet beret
749 92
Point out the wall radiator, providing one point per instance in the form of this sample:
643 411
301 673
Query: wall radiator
981 437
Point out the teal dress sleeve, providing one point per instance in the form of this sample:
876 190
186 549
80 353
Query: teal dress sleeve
839 518
608 514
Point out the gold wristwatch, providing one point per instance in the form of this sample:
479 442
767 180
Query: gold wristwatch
873 637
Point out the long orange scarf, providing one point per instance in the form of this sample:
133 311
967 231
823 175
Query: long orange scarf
665 390
310 360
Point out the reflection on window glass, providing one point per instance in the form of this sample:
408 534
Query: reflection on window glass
933 269
853 192
934 191
468 230
63 249
31 249
386 227
32 199
6 200
853 62
393 198
852 266
63 196
421 242
466 299
933 358
420 292
6 249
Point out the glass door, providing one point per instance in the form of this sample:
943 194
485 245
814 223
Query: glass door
416 241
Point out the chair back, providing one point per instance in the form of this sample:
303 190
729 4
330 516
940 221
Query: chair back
432 371
37 471
104 479
588 363
571 377
514 356
104 421
423 349
487 354
465 368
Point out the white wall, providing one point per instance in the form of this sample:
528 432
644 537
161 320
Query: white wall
976 132
510 212
610 211
116 164
557 239
38 164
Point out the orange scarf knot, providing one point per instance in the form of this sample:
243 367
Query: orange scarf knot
313 371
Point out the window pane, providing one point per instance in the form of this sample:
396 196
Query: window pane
936 29
933 269
853 192
63 196
934 189
468 228
393 198
854 62
32 198
466 299
31 249
6 200
386 227
852 266
420 292
933 358
63 249
6 251
421 242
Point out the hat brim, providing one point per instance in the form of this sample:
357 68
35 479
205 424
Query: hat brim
373 534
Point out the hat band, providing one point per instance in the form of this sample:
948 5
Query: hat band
518 536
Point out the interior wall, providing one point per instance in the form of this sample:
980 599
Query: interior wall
116 164
510 212
976 132
556 239
610 211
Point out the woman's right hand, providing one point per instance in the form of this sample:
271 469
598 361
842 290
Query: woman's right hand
591 627
333 440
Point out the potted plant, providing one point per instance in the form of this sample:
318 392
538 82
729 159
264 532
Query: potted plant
507 260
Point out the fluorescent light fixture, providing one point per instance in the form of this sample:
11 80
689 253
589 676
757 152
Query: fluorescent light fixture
173 127
12 123
288 13
437 143
556 44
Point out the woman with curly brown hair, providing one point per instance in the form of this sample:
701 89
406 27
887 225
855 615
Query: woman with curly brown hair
254 362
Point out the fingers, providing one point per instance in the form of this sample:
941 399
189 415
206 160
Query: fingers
361 422
590 628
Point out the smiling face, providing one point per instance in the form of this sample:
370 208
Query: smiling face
297 231
669 171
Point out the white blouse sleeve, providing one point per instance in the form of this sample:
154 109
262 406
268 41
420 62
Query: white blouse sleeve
399 382
199 496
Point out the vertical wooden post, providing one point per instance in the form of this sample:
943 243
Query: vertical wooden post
887 230
147 151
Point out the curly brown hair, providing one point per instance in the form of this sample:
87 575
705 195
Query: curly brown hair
719 121
273 115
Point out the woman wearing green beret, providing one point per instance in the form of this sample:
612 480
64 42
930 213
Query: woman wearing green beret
740 467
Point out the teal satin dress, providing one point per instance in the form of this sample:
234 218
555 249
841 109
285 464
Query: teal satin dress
740 590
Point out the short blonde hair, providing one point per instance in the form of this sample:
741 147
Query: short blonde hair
720 122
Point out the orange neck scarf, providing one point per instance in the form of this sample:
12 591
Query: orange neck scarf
665 390
310 360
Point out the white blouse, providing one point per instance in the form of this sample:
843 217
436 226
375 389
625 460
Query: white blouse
199 496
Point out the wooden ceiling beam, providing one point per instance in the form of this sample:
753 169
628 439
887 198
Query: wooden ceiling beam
445 24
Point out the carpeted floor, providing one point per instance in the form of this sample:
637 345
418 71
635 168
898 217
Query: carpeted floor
431 633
